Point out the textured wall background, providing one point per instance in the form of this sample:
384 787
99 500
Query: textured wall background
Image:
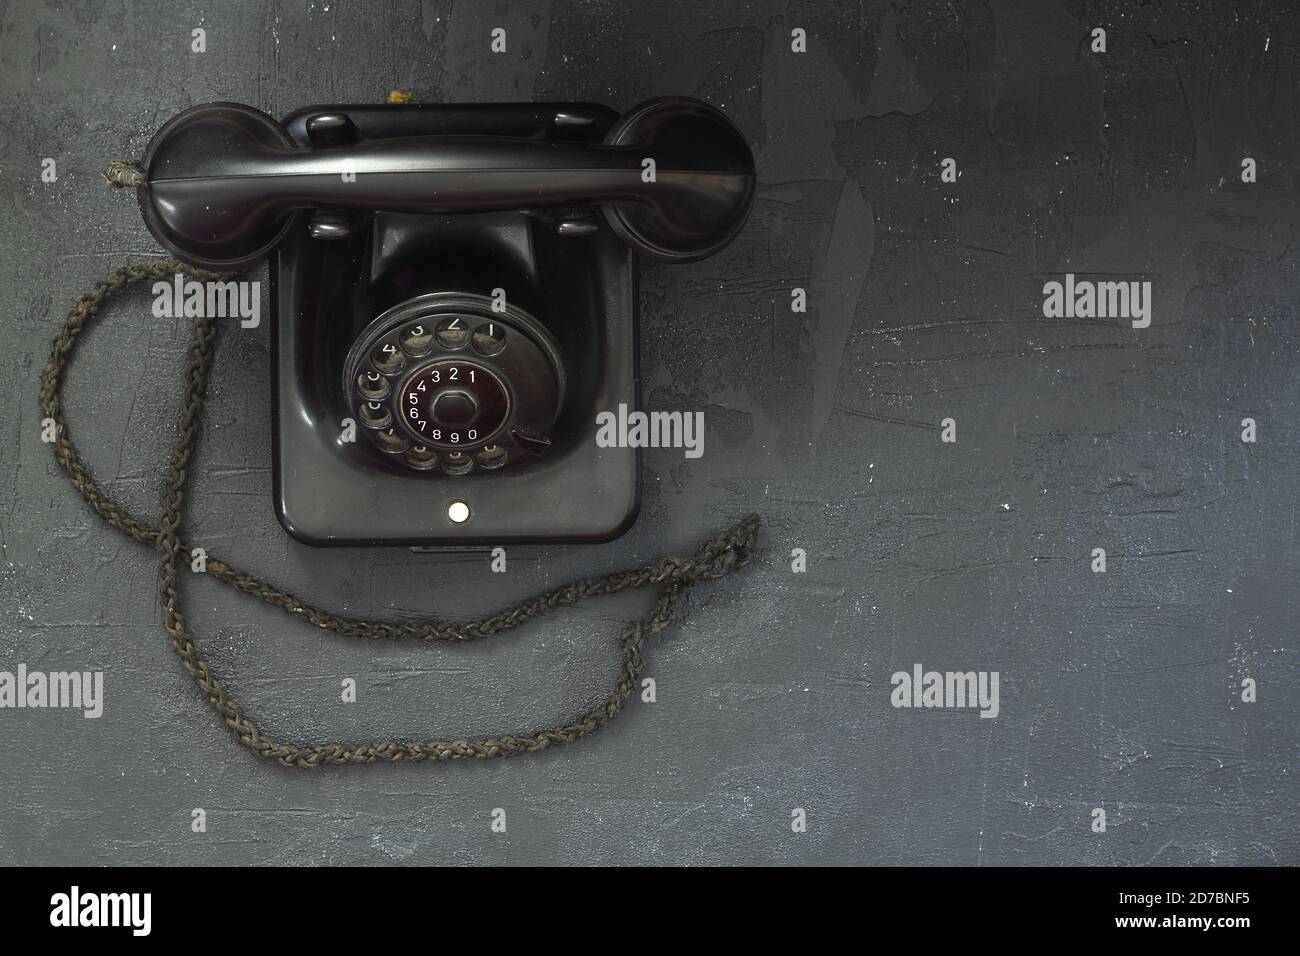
1118 690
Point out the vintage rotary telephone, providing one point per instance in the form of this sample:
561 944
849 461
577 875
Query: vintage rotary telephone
459 282
458 285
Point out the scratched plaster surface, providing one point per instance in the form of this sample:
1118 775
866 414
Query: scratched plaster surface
1118 690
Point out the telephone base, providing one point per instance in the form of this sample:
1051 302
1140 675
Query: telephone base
339 479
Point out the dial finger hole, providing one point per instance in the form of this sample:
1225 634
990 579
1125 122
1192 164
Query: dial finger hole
374 415
372 385
492 456
387 357
417 339
453 333
489 338
457 463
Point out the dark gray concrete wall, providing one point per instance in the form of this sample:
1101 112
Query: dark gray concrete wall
1119 690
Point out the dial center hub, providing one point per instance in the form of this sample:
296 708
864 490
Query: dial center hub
454 408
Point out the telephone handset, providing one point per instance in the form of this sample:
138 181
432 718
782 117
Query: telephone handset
454 296
223 179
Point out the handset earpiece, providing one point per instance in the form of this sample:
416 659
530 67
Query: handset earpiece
223 182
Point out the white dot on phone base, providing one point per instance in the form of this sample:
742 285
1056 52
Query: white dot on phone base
458 512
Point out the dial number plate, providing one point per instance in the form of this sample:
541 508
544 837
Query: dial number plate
454 405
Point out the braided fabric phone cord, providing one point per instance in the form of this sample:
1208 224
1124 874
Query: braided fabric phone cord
718 556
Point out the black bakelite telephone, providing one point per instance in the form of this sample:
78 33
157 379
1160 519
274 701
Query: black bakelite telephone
454 297
457 284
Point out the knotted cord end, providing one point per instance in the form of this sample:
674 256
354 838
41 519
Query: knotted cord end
122 174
